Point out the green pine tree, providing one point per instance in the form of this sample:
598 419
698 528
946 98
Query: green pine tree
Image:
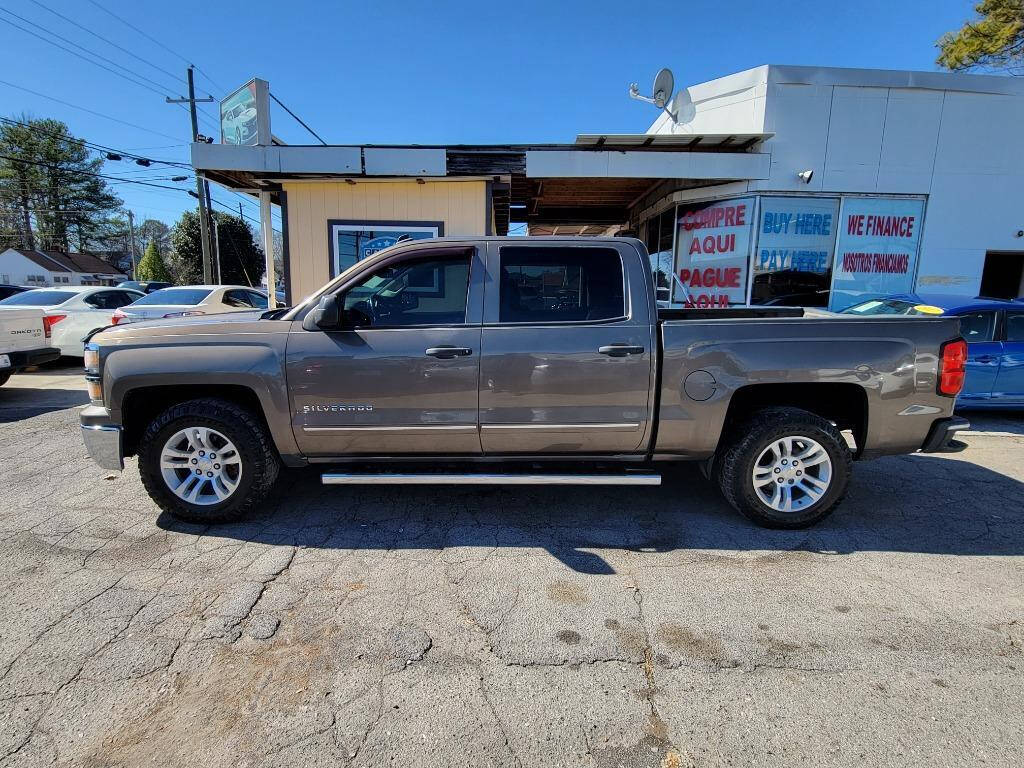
152 266
994 41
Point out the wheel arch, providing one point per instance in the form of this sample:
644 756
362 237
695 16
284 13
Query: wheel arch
139 405
844 403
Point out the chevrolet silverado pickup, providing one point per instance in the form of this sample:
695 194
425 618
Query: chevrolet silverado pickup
516 361
24 341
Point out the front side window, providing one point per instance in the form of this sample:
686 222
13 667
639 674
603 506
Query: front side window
558 284
978 326
418 292
258 300
1015 326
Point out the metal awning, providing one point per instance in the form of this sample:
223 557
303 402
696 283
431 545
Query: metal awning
708 142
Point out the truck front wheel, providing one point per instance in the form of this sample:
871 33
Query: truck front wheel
207 461
784 468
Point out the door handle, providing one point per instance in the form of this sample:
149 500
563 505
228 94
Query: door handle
620 350
985 359
447 353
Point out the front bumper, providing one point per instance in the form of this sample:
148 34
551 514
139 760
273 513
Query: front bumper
28 357
102 440
941 436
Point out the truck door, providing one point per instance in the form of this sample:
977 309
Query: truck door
983 354
401 373
567 349
1009 386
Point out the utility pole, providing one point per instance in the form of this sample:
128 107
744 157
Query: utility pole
216 247
131 237
204 219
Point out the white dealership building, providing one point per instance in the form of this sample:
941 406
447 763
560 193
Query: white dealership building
779 184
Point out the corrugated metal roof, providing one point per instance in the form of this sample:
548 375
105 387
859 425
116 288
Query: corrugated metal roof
672 140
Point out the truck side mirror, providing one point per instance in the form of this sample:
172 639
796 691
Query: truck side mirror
326 316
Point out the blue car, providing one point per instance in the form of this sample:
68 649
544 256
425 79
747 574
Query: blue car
994 330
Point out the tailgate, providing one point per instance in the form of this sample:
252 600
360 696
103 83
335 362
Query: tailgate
21 329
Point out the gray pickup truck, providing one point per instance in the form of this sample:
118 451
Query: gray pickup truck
516 361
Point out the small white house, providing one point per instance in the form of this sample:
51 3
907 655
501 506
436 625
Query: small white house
19 266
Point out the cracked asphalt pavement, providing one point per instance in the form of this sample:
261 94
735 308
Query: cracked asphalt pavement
506 626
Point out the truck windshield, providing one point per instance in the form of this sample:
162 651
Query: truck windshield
38 298
178 297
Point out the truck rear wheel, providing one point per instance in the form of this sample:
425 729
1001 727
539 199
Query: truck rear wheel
207 461
784 468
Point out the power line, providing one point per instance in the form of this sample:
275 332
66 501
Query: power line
159 89
136 79
90 111
105 40
88 173
96 147
152 39
299 119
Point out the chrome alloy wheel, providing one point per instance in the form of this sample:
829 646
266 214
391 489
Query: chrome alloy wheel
792 473
200 466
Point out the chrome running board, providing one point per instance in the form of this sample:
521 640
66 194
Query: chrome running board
428 478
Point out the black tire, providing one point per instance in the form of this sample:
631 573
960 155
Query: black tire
745 443
3 378
260 461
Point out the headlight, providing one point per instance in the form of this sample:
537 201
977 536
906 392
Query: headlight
92 358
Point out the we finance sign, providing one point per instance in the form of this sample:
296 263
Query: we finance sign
712 252
877 250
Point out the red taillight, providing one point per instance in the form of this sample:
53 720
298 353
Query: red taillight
952 367
117 317
49 321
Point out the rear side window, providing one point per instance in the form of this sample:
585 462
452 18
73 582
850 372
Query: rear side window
237 299
556 284
978 326
1015 326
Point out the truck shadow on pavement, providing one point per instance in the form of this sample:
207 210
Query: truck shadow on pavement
908 504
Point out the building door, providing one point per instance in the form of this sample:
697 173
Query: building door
567 358
400 375
1009 386
984 351
1003 275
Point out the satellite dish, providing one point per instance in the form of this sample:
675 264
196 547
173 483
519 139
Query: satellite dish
664 82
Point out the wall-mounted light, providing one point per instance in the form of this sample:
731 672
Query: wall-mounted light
350 181
805 176
420 181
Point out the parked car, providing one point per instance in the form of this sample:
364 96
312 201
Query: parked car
24 341
72 312
10 290
432 352
190 300
994 331
145 286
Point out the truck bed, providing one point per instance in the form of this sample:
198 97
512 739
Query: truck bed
882 367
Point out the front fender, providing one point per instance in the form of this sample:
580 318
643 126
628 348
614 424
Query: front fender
257 365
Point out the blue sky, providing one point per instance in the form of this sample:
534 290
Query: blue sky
423 72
